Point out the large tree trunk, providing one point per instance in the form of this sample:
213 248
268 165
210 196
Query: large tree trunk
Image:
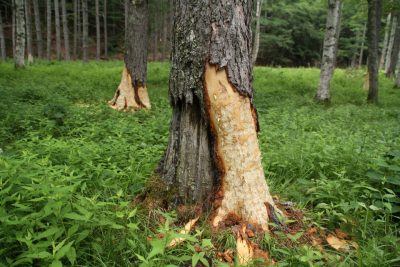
48 51
385 41
28 20
75 45
132 94
374 25
390 72
38 27
360 60
213 157
20 34
85 31
257 33
97 30
58 29
105 29
67 55
2 41
391 42
329 51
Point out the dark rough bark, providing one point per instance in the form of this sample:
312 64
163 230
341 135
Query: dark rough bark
20 34
215 32
48 11
66 31
374 25
136 42
58 29
390 72
85 31
2 42
38 27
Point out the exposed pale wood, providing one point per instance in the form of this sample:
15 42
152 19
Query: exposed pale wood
186 230
124 97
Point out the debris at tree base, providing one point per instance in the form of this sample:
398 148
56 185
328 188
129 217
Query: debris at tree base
186 230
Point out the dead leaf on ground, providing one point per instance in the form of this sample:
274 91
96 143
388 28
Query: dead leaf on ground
338 244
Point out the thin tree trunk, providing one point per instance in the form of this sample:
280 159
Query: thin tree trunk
385 41
75 45
165 33
374 21
48 30
28 25
98 48
105 29
13 27
85 31
391 42
397 83
360 60
256 44
126 4
38 27
20 34
329 50
213 157
2 41
79 28
67 55
58 29
354 57
390 72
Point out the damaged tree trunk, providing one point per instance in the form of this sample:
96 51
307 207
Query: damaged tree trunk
132 94
213 158
329 50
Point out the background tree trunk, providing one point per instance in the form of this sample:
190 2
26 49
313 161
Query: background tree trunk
257 31
67 54
75 45
390 72
397 83
360 60
391 42
38 27
329 50
97 30
2 41
14 26
28 21
79 28
20 34
374 21
213 158
58 29
105 29
85 31
48 29
385 41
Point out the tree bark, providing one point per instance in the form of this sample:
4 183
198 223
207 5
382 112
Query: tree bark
38 27
329 50
85 30
58 29
374 21
390 72
75 45
2 41
105 29
257 33
132 92
360 60
79 28
97 30
397 82
13 27
28 21
20 34
391 42
385 41
48 30
165 34
213 157
67 55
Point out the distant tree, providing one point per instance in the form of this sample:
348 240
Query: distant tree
374 25
98 47
256 45
75 41
385 41
28 26
105 29
20 34
360 59
58 29
390 72
48 13
38 28
329 50
67 55
391 42
132 94
85 31
397 82
14 27
2 40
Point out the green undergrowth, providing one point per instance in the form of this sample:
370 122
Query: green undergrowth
70 167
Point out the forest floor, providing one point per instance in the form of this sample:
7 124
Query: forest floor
70 167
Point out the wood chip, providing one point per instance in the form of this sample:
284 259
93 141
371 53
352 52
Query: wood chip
338 244
186 230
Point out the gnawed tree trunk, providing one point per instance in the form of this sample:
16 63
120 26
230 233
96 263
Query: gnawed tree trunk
20 34
67 55
2 41
390 72
28 26
132 94
97 30
38 28
385 41
391 42
85 31
213 157
360 60
58 29
48 11
374 22
105 29
257 33
329 50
